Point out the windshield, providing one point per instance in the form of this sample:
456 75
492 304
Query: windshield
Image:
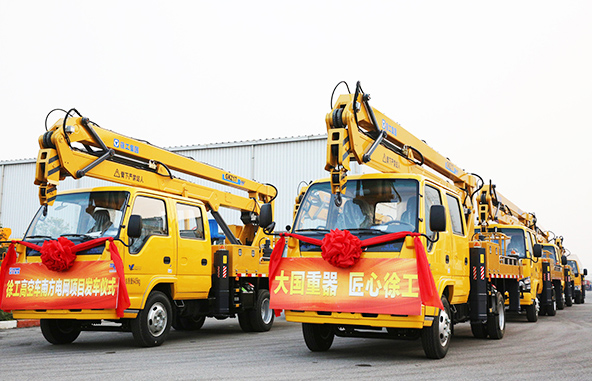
85 214
574 267
515 245
376 204
549 252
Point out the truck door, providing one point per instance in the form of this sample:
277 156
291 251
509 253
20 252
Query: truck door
460 247
194 267
153 253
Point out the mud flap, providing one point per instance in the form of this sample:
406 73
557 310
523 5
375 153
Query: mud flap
547 294
478 294
221 282
513 289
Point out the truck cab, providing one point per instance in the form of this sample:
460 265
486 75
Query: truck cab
521 244
551 254
577 277
171 258
373 205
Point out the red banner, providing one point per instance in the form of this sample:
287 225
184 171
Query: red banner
373 285
86 285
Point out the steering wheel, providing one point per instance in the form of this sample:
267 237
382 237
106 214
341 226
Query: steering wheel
402 224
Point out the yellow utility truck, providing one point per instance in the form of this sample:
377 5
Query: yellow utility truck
567 272
498 214
552 253
147 255
390 254
577 279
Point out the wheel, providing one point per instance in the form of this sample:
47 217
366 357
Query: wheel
188 323
532 311
496 322
436 338
552 308
261 317
318 337
578 297
561 299
479 329
568 301
153 323
60 331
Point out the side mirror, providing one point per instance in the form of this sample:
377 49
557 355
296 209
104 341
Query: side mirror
266 218
585 272
537 250
563 260
437 218
134 226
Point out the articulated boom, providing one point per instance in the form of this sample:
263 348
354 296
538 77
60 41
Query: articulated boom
493 206
355 129
77 147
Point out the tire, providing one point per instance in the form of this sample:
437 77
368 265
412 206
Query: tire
318 337
552 308
436 338
188 323
578 297
532 311
262 316
479 329
152 325
496 322
568 301
60 331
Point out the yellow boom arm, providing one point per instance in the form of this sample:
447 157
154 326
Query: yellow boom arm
357 130
77 147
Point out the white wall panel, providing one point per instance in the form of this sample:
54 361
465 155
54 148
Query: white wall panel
285 163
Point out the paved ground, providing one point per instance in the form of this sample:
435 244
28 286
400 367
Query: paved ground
554 348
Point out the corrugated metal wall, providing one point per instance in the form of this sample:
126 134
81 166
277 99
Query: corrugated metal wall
285 163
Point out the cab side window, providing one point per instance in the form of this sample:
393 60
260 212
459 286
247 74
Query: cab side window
190 221
455 215
154 221
432 197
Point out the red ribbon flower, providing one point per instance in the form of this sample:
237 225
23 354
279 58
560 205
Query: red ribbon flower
58 255
341 248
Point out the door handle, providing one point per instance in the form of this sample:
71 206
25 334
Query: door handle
167 260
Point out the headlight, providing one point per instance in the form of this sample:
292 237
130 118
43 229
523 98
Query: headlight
524 284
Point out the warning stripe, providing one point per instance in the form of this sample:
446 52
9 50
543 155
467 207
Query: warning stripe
504 276
251 275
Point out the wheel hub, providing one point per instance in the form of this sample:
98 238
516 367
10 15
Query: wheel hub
266 312
157 319
444 328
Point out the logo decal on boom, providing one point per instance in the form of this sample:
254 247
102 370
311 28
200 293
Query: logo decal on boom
449 166
388 128
232 179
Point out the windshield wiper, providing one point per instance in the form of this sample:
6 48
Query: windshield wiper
85 236
39 236
368 230
313 230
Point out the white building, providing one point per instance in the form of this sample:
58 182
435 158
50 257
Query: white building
287 163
